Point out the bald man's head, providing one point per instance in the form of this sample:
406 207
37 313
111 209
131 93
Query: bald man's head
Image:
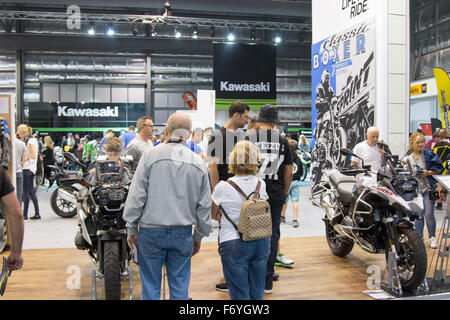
179 126
372 135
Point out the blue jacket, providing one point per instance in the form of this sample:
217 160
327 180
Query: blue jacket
432 162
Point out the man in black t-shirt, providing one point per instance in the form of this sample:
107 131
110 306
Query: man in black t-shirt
10 203
223 140
276 170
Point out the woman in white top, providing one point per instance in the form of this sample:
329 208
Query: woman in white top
244 262
29 170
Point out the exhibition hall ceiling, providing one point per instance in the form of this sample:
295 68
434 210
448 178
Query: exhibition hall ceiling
156 26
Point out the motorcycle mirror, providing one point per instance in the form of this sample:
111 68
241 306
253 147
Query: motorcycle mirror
71 157
347 152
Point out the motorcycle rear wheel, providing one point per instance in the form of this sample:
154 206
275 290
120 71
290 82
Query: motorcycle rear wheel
62 207
111 267
339 245
412 258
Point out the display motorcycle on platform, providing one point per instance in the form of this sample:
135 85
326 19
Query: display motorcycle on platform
102 230
376 212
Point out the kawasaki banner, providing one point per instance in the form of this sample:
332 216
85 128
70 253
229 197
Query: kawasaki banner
343 95
83 115
244 72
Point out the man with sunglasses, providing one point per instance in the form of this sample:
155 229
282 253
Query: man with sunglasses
142 142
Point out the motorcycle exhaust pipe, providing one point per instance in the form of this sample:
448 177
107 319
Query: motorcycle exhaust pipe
67 196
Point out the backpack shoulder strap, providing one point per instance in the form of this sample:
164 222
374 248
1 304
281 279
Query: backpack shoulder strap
234 185
256 192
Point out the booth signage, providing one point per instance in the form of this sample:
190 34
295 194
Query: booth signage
244 72
74 115
343 95
418 89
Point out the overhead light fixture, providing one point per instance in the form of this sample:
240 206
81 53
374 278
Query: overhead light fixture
277 39
153 30
109 30
91 30
230 35
167 9
195 33
253 34
177 33
212 31
135 31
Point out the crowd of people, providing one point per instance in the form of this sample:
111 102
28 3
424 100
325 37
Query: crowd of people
200 174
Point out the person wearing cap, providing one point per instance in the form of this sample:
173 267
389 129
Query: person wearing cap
70 144
276 170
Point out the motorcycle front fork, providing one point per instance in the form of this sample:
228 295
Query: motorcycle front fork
392 236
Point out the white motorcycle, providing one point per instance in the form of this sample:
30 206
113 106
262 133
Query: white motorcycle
375 210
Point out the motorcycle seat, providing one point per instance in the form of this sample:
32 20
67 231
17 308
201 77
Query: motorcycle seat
344 185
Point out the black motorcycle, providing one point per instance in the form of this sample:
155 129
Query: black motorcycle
68 181
102 230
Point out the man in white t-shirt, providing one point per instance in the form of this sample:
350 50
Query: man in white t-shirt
368 150
142 142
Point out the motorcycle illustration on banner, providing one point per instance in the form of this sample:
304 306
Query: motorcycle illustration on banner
343 97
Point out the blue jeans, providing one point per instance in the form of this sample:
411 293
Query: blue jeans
428 216
275 211
19 186
29 192
244 267
171 246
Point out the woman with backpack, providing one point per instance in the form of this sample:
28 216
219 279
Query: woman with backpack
244 262
30 158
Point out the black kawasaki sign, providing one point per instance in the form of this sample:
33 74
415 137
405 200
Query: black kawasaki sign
244 71
70 115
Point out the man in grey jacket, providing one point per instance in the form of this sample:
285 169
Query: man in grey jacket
168 195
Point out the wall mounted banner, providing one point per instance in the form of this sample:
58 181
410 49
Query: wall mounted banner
343 95
87 115
244 72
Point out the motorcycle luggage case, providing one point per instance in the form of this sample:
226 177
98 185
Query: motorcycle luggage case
344 185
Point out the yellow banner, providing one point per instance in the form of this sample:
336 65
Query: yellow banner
443 88
418 89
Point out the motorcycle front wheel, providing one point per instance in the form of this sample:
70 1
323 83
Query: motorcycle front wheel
412 258
61 207
111 267
338 244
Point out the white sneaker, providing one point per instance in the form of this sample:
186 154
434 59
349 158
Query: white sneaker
282 259
433 243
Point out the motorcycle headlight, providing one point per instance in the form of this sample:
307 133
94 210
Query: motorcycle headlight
102 197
